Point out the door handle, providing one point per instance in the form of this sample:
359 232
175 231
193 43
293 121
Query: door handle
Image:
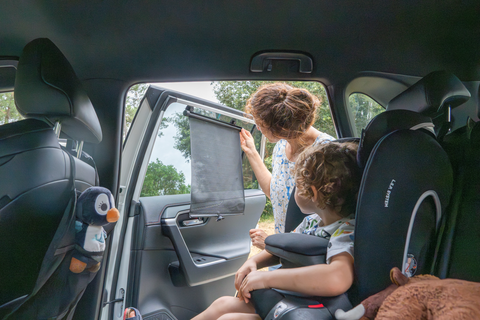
192 222
260 61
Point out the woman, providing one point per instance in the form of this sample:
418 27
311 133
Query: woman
285 116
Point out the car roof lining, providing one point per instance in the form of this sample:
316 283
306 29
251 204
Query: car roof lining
190 40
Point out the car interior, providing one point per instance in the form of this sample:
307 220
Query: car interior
70 66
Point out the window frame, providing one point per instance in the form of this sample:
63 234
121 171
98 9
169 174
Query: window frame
204 105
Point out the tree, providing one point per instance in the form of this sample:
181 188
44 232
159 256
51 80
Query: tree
235 94
182 136
8 111
134 97
364 109
163 179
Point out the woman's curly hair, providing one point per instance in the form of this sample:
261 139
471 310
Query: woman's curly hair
284 110
332 169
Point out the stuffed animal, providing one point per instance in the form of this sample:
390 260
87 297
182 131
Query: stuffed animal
420 297
95 208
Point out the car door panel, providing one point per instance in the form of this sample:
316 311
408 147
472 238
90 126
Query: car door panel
161 279
174 266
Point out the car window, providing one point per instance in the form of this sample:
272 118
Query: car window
132 102
233 94
363 109
169 169
8 111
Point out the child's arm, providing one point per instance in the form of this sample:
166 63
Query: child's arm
258 261
319 280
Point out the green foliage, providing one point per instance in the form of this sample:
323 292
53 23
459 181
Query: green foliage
267 214
8 111
134 97
235 94
182 136
363 109
163 180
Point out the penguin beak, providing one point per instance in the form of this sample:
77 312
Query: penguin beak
113 215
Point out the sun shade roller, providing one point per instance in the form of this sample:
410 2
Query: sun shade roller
216 160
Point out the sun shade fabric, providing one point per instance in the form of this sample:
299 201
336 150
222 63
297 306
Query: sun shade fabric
217 178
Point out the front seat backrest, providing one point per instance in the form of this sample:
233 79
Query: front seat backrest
47 88
34 170
435 95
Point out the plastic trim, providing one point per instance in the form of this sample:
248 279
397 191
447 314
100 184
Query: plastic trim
438 206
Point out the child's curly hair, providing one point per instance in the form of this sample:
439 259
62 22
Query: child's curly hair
284 110
332 169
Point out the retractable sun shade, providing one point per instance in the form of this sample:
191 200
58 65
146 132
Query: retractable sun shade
216 160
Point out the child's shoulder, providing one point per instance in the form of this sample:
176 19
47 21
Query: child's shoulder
309 222
348 222
345 226
323 138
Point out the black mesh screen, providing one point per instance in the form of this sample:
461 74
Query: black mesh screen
217 178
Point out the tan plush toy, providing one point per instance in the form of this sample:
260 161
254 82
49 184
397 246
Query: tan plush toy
419 297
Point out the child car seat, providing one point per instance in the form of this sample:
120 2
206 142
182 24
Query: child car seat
406 185
36 181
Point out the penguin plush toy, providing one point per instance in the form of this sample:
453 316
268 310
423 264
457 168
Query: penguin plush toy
95 208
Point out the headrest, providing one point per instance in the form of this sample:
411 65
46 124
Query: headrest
47 88
388 122
432 94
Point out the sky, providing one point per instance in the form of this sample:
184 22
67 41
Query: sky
202 89
174 157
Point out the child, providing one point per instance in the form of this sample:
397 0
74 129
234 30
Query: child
327 180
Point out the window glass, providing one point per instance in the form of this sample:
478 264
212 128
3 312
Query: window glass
363 108
169 170
233 94
8 111
132 102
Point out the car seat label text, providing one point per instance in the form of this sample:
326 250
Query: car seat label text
389 191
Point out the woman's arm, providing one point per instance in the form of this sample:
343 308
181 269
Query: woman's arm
319 280
261 172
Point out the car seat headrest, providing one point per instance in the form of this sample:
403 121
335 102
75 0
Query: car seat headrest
388 122
432 94
47 88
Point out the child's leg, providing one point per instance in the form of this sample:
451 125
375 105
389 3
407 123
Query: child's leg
225 305
240 316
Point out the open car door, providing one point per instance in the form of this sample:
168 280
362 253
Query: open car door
170 257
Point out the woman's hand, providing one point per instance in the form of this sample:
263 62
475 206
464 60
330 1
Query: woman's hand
247 143
258 238
253 281
248 267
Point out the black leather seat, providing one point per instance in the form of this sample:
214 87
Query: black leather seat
405 188
35 172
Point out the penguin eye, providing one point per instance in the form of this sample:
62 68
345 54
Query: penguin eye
101 204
